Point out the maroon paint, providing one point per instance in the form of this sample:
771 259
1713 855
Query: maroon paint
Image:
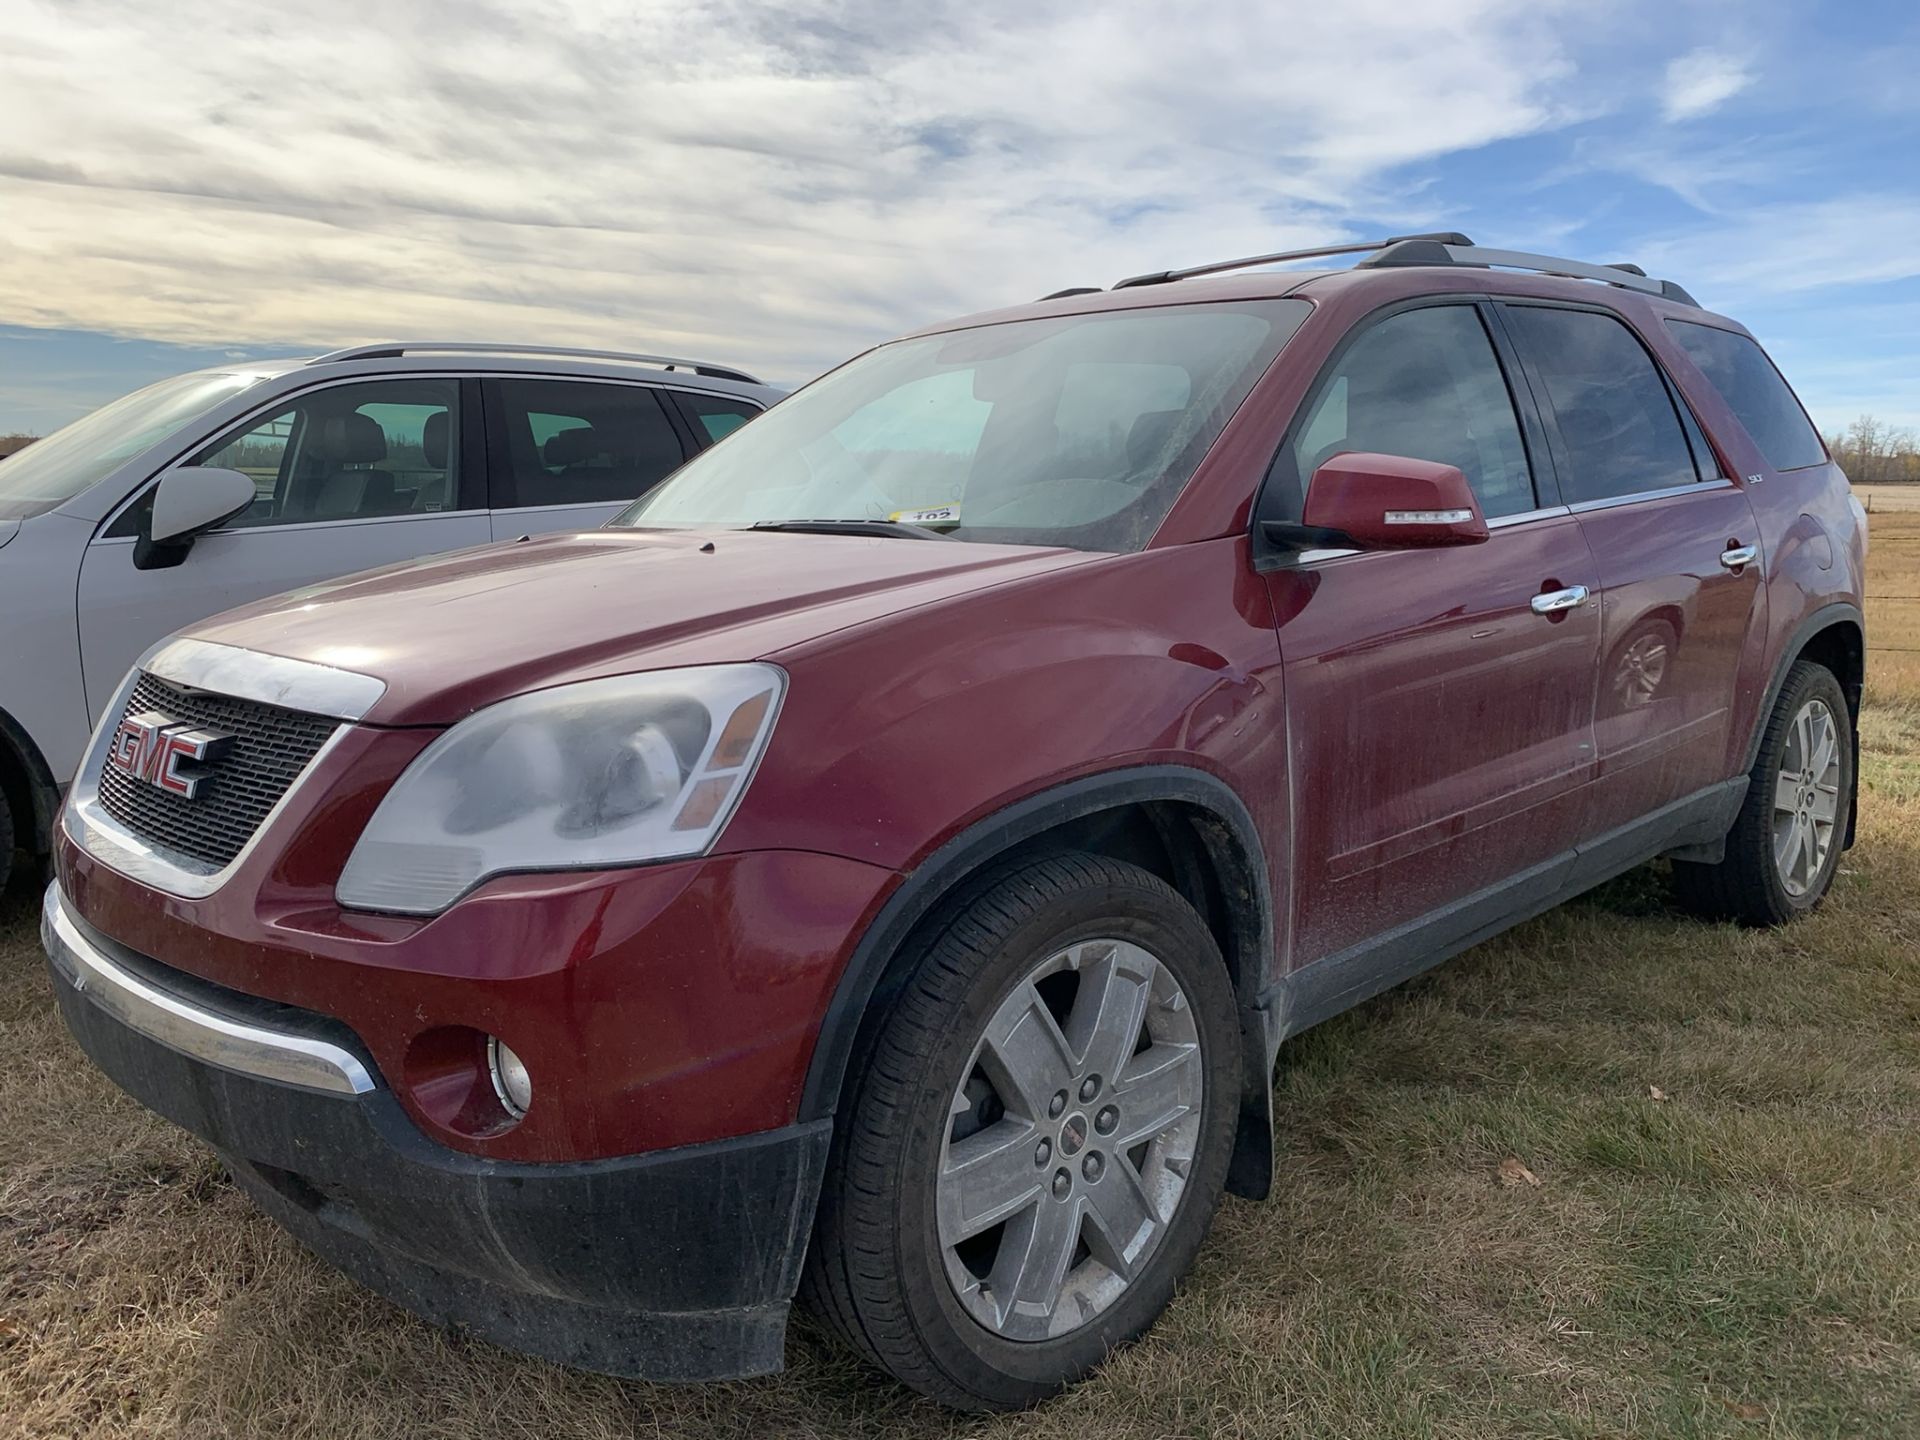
1441 731
656 1007
1355 492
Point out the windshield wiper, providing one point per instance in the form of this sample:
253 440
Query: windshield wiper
892 529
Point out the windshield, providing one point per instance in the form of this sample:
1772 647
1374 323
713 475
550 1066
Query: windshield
1076 431
93 447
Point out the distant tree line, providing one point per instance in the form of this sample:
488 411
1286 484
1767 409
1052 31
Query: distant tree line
16 441
1873 452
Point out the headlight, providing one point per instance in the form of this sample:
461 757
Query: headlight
606 772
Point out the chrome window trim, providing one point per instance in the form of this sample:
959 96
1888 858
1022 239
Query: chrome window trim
343 695
1545 512
1583 507
190 1029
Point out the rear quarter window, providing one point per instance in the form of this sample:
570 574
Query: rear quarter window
1755 391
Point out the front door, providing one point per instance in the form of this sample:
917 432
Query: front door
1441 722
347 476
1677 548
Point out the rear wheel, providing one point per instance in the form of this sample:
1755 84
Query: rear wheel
1784 848
1036 1145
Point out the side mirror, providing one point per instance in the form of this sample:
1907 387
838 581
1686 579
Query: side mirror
1393 502
188 501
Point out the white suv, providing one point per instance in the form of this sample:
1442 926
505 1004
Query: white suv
211 489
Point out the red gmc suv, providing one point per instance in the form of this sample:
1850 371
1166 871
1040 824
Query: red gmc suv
883 864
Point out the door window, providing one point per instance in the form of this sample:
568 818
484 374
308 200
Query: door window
1620 433
1425 384
714 417
345 452
1755 391
572 442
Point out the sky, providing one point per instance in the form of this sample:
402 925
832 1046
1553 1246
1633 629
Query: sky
779 184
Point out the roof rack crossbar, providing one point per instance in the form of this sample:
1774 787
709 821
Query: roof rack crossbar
1161 277
392 350
1627 276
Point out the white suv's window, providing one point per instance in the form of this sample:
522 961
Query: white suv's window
350 452
571 442
93 447
345 452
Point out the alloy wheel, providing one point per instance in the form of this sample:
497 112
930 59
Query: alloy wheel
1806 798
1070 1139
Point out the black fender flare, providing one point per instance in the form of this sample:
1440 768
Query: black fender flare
874 957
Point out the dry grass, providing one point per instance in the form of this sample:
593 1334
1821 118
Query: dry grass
1742 1258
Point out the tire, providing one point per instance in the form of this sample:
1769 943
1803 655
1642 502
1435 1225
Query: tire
879 1272
6 841
1755 885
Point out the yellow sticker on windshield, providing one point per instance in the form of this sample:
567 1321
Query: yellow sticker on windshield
932 515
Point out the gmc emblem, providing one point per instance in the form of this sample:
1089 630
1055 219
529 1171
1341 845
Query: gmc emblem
152 748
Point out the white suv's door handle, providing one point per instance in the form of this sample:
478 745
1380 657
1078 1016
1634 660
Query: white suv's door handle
1736 556
1555 601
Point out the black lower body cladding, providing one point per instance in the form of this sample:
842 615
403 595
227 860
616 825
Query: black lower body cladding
679 1265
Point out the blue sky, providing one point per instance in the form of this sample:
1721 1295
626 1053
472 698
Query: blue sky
778 183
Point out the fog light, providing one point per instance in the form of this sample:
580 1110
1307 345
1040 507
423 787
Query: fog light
511 1082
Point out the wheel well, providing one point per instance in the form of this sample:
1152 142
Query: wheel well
27 786
1185 846
1210 856
1842 649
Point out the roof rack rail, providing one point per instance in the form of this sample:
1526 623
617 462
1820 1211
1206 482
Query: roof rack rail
1162 277
392 350
1070 290
1430 250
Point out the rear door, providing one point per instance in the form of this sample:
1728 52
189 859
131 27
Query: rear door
1677 548
1441 727
571 454
347 477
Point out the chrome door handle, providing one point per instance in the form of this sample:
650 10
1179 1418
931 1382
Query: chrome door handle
1555 601
1738 555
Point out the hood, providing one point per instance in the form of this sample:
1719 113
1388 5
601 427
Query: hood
456 632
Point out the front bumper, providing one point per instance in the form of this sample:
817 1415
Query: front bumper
677 1265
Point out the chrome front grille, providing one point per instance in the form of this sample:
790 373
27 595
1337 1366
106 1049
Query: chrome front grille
270 748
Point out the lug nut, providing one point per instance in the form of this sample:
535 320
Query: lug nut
1089 1087
1056 1105
1106 1120
1092 1165
1043 1152
1062 1184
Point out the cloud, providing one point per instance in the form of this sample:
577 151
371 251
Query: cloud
1701 81
773 184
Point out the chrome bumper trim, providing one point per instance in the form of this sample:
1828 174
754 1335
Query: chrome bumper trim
188 1028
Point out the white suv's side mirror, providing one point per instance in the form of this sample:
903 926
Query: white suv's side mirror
195 498
187 501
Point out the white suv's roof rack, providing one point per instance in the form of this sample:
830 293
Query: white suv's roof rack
391 349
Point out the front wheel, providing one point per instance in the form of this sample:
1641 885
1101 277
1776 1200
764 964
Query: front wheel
1036 1145
1785 846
